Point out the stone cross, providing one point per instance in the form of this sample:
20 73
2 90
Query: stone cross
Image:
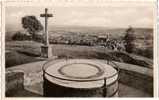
46 50
46 15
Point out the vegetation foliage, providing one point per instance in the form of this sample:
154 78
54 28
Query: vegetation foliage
32 25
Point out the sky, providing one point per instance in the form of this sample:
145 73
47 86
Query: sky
107 16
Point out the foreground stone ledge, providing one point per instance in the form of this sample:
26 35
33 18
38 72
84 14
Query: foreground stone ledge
14 81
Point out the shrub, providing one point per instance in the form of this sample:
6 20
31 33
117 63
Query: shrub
129 39
19 36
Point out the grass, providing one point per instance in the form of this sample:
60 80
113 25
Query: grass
14 58
29 51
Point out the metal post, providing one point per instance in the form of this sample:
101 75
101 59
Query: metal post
108 62
105 88
44 83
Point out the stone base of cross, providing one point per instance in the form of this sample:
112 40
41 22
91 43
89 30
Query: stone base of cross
46 51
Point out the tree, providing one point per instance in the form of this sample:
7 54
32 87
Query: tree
129 40
32 25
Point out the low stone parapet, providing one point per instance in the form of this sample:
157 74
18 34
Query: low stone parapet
14 81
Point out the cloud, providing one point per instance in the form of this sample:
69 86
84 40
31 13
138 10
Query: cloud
144 22
18 14
140 16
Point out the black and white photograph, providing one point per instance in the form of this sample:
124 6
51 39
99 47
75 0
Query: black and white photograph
80 51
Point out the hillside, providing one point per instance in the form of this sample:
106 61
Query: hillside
32 49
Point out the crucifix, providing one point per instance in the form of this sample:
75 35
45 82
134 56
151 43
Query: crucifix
46 15
46 50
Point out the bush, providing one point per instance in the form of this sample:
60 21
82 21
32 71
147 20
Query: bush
19 36
148 52
129 39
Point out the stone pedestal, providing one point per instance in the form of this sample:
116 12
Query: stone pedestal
79 78
46 51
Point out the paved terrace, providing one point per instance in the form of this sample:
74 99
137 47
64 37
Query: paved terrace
131 84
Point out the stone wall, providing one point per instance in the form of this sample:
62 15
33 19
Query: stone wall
136 76
14 81
136 80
